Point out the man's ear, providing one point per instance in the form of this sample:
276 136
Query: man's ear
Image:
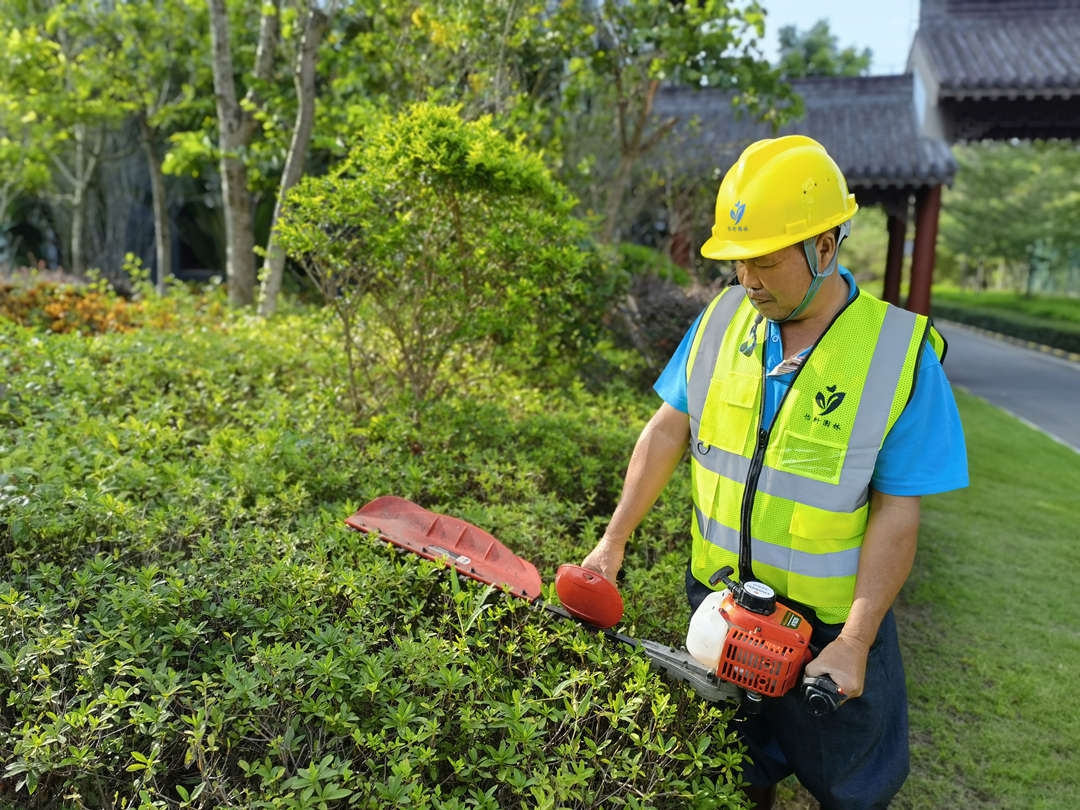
826 248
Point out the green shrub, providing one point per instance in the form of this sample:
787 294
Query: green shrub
185 622
445 249
280 671
1058 334
639 260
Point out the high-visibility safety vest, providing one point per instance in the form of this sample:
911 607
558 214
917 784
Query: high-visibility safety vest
790 503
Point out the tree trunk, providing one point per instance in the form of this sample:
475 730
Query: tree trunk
235 130
86 158
78 206
239 232
619 184
78 228
274 268
162 234
632 145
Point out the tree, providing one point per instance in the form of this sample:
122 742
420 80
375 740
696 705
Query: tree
816 52
24 162
569 74
64 80
166 94
236 127
1012 203
314 27
349 53
638 45
444 248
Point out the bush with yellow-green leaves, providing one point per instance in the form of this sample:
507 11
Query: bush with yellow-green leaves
186 622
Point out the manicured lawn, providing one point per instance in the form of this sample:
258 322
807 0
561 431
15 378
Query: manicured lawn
988 626
1049 321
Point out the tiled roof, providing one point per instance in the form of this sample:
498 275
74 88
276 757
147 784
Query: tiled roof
867 124
934 9
977 48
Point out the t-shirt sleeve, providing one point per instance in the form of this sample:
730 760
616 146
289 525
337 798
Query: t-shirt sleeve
671 384
925 452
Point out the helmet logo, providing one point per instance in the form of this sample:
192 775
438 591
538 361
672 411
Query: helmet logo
736 217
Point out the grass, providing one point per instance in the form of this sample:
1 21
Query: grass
988 627
1060 309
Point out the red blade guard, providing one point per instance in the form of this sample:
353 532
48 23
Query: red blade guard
466 547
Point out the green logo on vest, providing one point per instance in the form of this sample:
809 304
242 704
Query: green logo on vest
830 403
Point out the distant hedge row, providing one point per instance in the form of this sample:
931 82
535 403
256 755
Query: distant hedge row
1057 334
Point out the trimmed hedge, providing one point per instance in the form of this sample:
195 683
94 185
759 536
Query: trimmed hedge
275 672
185 622
1058 334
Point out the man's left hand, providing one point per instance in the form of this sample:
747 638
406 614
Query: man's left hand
844 660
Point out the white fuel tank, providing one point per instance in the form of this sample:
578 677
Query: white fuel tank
708 630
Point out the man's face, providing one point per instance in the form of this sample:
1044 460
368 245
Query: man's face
775 282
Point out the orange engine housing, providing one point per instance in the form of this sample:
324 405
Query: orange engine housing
764 653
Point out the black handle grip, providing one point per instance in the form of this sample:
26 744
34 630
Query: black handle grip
821 695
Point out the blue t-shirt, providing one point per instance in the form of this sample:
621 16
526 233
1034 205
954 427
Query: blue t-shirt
923 454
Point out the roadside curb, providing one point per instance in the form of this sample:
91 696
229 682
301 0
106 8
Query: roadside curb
1072 357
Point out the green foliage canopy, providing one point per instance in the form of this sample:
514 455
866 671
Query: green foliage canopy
440 243
60 91
817 52
624 52
1012 203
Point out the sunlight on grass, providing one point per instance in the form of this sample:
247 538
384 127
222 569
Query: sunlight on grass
988 626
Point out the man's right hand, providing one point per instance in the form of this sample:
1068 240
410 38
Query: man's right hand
657 453
606 559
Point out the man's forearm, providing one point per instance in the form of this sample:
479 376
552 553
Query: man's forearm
656 455
885 561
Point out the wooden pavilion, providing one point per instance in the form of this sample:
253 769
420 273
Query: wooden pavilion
868 125
977 69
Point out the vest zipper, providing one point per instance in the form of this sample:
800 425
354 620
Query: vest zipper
746 566
746 572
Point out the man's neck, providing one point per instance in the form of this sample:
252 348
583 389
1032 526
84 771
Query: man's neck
799 334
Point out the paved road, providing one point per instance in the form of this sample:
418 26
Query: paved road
1038 387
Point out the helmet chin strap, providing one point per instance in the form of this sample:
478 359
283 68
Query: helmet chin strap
816 278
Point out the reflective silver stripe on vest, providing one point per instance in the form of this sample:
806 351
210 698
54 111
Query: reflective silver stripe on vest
697 386
833 564
867 432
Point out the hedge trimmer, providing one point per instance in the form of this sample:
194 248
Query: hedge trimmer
747 638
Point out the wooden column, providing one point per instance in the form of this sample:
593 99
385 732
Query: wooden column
894 261
927 209
679 250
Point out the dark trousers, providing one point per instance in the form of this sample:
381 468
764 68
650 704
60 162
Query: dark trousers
854 759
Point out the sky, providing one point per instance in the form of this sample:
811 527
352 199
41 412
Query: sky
887 30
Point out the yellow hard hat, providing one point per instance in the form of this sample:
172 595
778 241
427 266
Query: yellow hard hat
779 192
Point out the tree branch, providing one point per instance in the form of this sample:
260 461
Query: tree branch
269 31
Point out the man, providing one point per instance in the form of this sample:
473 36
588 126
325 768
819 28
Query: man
816 416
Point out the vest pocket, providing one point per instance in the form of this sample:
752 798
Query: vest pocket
829 531
823 574
730 411
802 455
